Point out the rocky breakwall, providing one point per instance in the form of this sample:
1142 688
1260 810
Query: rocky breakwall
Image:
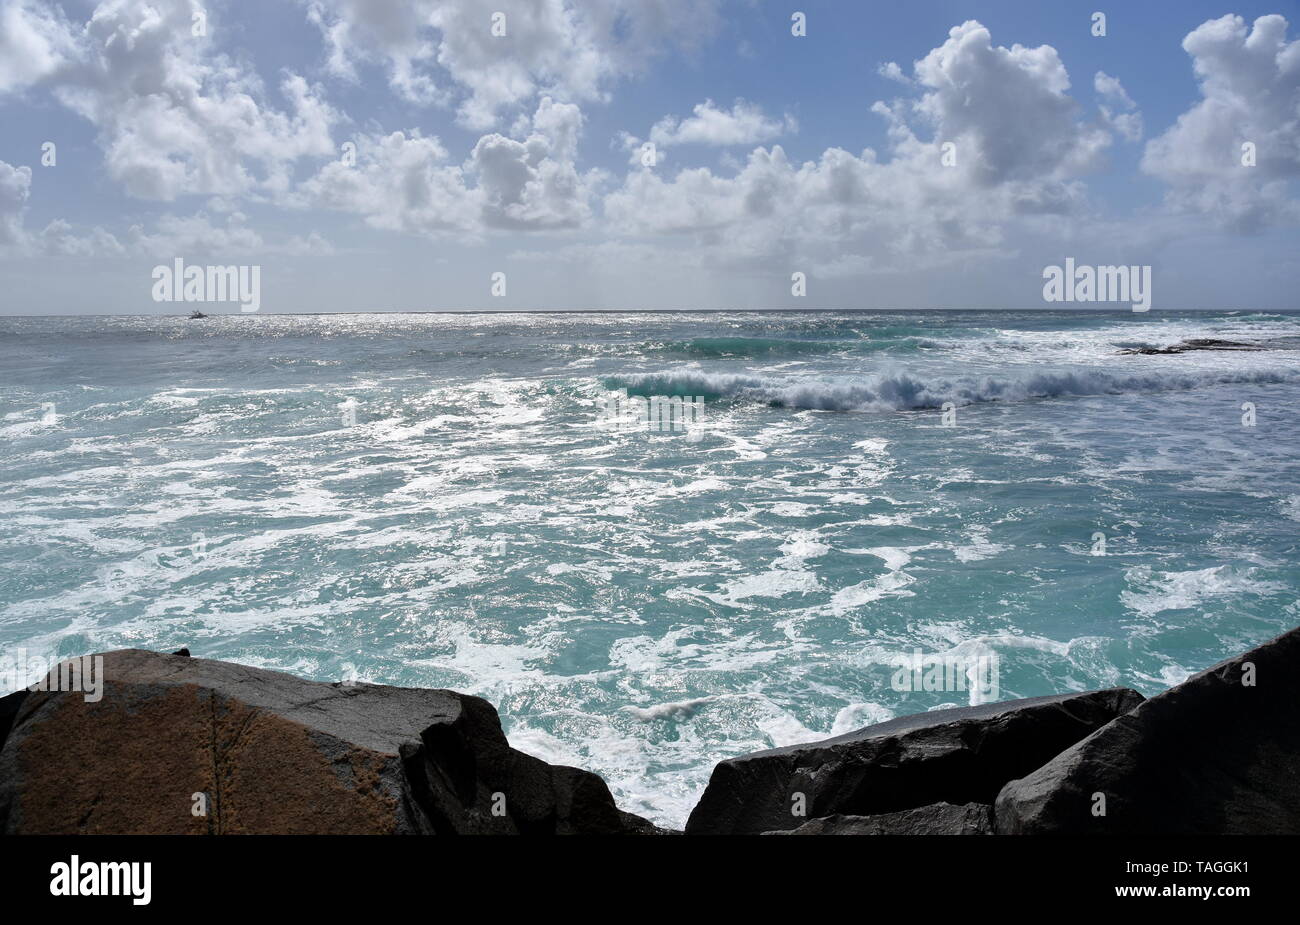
183 745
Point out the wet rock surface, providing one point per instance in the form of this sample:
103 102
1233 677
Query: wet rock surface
958 756
1217 754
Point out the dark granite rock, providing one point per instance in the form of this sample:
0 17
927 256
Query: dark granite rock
1214 755
269 752
935 819
9 705
961 755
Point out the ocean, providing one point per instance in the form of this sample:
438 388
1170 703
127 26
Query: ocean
442 500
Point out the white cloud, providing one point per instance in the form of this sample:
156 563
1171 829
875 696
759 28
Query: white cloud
1250 83
394 32
1118 111
35 41
409 184
399 183
1110 89
891 71
571 51
744 124
1020 148
533 184
1006 108
174 117
197 235
61 238
15 186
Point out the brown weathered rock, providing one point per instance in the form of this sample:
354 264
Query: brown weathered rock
935 819
961 755
1212 756
273 753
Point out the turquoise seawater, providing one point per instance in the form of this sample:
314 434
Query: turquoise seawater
645 604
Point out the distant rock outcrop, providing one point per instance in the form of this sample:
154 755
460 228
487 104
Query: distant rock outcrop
962 755
1196 343
189 745
1218 754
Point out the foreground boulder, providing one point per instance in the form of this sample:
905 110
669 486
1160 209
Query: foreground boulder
1218 754
961 755
936 819
188 745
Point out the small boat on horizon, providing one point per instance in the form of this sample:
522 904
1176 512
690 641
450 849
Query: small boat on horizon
197 314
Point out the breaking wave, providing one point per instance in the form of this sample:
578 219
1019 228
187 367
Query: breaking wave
904 392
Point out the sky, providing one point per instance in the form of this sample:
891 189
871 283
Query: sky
375 155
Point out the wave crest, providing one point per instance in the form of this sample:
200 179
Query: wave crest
903 391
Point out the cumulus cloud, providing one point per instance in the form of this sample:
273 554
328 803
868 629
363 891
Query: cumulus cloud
400 182
534 184
15 186
436 50
35 42
174 117
177 118
1117 109
391 32
403 183
1250 83
1018 149
1006 109
891 71
744 124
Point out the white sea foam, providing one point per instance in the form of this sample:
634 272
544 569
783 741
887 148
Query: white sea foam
675 710
1152 592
